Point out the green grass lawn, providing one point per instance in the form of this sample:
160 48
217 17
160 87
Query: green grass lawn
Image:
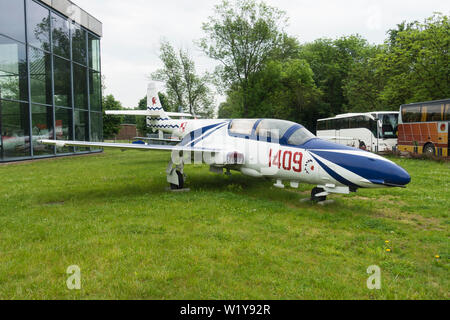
229 238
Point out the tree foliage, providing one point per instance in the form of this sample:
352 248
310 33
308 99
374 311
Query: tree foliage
111 124
264 72
348 75
416 62
184 87
241 36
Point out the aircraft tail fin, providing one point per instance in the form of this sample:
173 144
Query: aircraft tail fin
154 106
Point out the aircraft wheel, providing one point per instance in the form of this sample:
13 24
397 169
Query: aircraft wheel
317 191
180 182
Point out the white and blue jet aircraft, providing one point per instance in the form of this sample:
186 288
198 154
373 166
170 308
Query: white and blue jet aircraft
261 148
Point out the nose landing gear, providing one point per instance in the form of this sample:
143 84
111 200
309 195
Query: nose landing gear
319 195
175 176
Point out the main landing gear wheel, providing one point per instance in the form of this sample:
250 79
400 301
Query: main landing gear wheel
429 150
316 198
180 182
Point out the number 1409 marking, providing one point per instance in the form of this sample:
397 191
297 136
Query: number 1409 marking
286 160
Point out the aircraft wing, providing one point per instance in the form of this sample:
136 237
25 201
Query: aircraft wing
145 147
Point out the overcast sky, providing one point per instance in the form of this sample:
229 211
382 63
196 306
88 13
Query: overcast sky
132 30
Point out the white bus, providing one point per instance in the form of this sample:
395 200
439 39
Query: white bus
373 131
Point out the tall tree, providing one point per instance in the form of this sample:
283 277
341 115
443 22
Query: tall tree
364 83
331 62
199 96
111 124
417 62
241 36
281 90
171 74
184 87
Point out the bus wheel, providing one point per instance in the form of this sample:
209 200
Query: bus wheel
429 150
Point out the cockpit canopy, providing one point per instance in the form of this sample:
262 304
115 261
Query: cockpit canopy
271 130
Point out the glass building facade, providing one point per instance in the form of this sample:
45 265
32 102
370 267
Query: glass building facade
50 79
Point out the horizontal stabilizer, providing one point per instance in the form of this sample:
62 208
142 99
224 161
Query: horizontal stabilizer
145 113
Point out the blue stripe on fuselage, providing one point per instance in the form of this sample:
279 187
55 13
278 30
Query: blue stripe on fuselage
198 133
335 175
207 135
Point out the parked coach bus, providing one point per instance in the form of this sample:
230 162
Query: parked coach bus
423 127
373 131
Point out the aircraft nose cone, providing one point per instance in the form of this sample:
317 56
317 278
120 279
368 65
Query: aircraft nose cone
373 168
399 176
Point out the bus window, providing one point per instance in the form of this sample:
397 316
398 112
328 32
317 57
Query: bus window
389 126
352 123
372 126
433 113
411 114
447 113
342 123
242 126
362 122
321 125
334 125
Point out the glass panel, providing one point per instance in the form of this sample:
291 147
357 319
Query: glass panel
60 34
42 128
95 91
96 128
373 126
331 124
273 129
15 129
242 126
81 128
321 125
79 52
447 112
63 96
411 114
63 127
94 52
38 25
40 76
13 70
389 129
352 122
12 19
362 122
80 86
300 137
434 112
342 123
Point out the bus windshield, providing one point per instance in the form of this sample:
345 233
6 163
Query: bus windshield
389 126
